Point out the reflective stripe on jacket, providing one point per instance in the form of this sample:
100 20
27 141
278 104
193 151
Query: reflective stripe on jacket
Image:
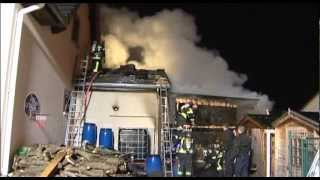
185 146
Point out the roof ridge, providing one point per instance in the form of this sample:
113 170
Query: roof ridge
298 115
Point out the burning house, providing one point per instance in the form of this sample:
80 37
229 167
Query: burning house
72 107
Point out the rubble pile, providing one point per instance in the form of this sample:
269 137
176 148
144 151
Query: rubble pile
78 162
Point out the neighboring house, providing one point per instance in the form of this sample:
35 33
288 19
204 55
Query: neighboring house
296 142
257 125
312 105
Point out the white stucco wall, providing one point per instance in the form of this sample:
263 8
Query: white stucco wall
37 74
136 110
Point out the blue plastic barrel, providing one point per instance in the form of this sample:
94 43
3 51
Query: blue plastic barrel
153 166
106 138
89 133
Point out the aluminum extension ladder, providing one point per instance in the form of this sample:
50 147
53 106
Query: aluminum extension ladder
166 135
76 108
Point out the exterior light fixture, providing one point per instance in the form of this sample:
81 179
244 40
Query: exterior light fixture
115 107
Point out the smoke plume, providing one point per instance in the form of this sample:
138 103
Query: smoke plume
169 40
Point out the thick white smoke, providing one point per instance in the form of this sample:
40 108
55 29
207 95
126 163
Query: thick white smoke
169 40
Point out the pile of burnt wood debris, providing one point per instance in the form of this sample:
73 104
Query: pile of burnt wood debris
53 160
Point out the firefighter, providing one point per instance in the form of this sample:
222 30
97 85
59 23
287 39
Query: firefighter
192 115
184 150
228 138
210 166
184 155
97 56
241 153
214 161
184 116
181 118
219 158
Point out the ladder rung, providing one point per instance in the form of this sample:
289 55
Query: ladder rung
72 118
77 92
76 104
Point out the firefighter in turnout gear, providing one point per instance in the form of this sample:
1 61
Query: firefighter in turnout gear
98 54
184 151
184 155
219 159
185 116
214 161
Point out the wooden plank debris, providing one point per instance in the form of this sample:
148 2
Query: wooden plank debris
54 163
59 161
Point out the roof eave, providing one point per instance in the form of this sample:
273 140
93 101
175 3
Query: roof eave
296 115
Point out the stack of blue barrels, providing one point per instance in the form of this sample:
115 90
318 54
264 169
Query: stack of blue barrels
153 164
89 135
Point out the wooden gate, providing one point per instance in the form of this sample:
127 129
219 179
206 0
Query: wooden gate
259 151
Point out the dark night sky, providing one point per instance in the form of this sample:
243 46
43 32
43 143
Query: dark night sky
274 44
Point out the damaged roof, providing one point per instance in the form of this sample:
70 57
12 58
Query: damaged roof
128 77
240 102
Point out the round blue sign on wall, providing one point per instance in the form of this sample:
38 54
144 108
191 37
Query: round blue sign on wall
32 105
